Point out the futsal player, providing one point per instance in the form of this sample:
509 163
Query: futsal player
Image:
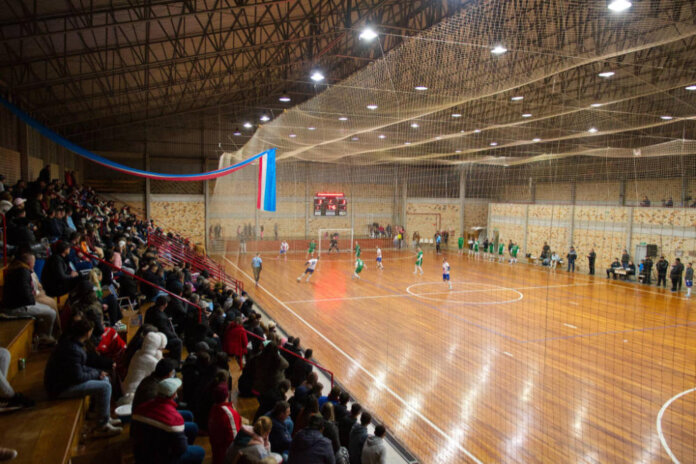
689 279
309 270
419 261
513 253
359 266
476 249
357 250
333 244
446 273
501 252
284 247
379 259
460 244
312 247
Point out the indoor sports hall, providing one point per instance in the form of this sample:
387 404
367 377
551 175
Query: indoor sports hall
479 215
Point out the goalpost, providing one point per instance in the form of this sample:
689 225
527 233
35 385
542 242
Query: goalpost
344 239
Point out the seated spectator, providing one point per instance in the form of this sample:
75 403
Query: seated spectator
311 407
144 362
147 389
269 399
224 422
645 201
157 431
57 278
669 203
157 317
251 443
281 430
612 269
330 427
6 202
374 451
235 341
67 375
630 270
358 436
302 392
9 399
20 301
20 231
310 446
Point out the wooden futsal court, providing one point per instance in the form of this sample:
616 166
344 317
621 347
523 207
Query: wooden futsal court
514 364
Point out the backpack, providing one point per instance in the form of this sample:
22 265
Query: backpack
342 456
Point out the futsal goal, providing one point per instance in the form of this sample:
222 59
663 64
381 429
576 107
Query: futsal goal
335 240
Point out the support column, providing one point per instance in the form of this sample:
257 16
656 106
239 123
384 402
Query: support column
532 190
684 190
307 204
526 228
404 201
571 229
629 231
395 199
462 201
622 192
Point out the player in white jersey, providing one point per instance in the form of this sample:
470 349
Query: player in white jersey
379 259
311 267
284 247
446 272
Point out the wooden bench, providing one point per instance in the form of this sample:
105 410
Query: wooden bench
48 433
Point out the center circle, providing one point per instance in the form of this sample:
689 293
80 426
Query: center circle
472 292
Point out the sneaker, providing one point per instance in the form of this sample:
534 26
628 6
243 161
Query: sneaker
115 422
7 453
106 430
5 406
22 401
46 341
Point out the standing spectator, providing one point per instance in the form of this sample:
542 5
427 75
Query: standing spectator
19 296
224 422
645 201
625 258
235 341
669 203
689 280
341 408
270 369
301 368
157 431
345 425
374 451
45 174
309 446
661 268
647 270
67 375
157 317
591 258
330 427
256 264
147 389
358 436
572 256
676 275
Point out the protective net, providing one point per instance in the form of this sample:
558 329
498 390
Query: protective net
580 135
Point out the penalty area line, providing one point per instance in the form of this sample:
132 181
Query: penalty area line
408 406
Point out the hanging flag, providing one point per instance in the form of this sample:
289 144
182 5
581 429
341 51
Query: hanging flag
267 160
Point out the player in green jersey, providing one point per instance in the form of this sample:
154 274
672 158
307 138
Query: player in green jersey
476 249
419 261
357 250
513 253
501 252
359 266
460 244
312 247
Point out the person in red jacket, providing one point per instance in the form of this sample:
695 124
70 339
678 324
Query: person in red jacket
235 341
223 423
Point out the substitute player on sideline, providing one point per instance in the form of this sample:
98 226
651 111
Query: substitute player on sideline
460 244
284 247
446 273
359 266
379 258
311 267
419 261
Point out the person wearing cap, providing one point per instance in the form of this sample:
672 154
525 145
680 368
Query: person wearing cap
157 432
224 422
147 388
309 445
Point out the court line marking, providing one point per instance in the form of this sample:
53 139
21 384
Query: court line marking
406 404
491 288
403 295
570 325
658 423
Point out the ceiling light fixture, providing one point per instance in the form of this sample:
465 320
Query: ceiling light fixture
494 144
248 125
381 136
407 143
527 115
498 50
477 131
596 105
619 5
458 151
285 98
517 98
312 128
342 118
666 118
536 140
691 87
415 125
592 130
354 139
236 132
456 115
265 118
421 88
292 136
368 35
317 76
606 74
372 107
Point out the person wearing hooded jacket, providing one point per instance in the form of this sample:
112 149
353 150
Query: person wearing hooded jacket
144 362
374 451
309 445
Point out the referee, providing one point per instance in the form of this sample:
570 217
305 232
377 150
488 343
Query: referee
256 263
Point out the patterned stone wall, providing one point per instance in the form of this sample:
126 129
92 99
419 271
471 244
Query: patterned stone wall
422 216
673 230
475 214
547 223
184 214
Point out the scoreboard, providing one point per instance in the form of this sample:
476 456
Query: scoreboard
330 204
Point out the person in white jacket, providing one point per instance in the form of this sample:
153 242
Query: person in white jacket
143 363
374 451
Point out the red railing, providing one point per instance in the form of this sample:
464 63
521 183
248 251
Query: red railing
4 239
140 279
328 372
169 247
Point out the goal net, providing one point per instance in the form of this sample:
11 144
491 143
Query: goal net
335 241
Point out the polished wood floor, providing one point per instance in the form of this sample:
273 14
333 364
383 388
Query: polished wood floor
514 364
